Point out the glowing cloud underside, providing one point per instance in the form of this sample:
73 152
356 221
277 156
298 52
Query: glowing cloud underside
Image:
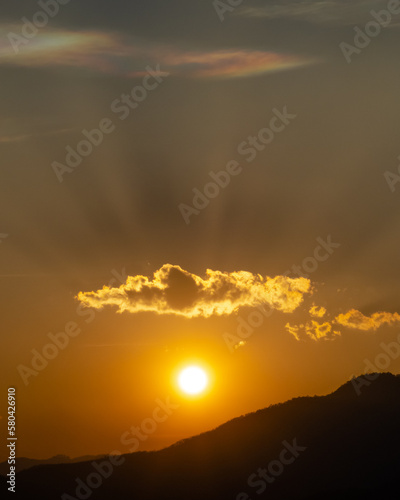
176 291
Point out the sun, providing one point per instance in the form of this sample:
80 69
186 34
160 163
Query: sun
193 380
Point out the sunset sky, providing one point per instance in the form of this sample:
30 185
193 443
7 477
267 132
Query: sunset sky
280 285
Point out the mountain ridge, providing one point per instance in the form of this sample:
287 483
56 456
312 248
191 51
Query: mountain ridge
349 444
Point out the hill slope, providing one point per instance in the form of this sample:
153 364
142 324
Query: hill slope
347 447
26 463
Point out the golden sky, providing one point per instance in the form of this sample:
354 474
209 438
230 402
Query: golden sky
281 282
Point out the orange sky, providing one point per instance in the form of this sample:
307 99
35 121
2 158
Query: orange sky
283 282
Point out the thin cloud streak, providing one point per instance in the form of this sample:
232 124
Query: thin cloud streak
356 320
113 54
325 12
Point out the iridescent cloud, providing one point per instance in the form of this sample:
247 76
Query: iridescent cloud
232 63
115 54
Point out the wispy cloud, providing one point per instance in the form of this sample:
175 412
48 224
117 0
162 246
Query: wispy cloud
355 319
90 49
313 330
12 138
112 53
176 291
232 63
6 139
328 12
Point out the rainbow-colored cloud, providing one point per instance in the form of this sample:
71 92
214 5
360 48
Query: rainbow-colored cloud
111 53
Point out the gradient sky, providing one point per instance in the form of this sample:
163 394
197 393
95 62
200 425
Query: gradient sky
118 212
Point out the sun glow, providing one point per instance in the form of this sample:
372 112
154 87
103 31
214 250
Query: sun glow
193 380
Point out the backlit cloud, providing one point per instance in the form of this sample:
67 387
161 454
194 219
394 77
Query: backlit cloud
176 291
111 53
317 312
312 329
355 319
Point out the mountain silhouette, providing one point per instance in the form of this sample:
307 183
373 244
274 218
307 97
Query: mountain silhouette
26 463
340 446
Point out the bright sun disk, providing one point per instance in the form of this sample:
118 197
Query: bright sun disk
193 380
